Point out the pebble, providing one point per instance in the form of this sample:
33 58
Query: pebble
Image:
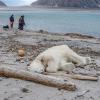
25 90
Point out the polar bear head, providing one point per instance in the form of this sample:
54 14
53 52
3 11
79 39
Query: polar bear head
36 66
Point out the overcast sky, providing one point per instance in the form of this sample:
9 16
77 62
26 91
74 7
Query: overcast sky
17 2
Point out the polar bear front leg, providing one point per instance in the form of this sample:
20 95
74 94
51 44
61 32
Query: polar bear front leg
68 67
52 67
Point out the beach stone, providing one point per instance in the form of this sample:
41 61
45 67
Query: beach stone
25 90
6 99
21 52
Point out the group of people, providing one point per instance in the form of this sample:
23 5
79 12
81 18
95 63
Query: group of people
21 22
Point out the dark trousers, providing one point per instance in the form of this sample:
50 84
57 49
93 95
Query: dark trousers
20 27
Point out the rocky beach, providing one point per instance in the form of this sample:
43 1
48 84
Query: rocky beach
34 43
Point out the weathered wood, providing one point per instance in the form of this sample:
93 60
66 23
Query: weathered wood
38 78
86 72
84 77
75 76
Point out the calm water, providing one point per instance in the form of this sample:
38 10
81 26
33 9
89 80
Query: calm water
61 21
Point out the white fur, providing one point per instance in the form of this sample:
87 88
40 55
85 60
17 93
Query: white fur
58 58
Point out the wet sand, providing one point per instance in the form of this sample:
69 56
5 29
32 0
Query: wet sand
36 42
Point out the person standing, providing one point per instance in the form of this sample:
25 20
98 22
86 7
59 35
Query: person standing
11 21
21 23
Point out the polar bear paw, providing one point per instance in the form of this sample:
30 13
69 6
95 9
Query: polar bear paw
88 60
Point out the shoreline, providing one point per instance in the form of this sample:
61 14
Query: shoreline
34 43
73 34
80 35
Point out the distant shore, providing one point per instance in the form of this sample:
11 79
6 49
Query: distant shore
62 20
23 8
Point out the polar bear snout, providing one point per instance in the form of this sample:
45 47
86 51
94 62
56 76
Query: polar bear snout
36 67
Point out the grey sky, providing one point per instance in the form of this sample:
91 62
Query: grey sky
18 2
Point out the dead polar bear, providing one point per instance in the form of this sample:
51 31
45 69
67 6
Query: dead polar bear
58 58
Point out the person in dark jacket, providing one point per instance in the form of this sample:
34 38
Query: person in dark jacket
21 23
11 21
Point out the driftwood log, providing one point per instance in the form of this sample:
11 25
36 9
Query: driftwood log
75 76
38 78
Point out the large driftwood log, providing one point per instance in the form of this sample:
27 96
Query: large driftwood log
38 78
75 76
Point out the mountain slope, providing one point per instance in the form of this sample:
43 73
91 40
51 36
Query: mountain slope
68 3
2 4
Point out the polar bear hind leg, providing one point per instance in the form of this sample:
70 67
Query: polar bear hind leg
77 59
81 61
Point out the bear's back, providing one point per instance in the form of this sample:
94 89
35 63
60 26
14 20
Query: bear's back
56 51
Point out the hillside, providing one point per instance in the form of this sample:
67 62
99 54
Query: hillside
68 3
2 4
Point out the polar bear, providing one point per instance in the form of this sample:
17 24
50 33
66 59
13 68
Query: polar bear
58 58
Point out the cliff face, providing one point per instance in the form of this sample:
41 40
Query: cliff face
2 4
69 3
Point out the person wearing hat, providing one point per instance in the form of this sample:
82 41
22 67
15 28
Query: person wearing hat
21 23
11 21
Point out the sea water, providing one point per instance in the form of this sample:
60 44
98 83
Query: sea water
56 20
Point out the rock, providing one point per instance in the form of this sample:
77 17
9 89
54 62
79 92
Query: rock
25 90
18 59
21 52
